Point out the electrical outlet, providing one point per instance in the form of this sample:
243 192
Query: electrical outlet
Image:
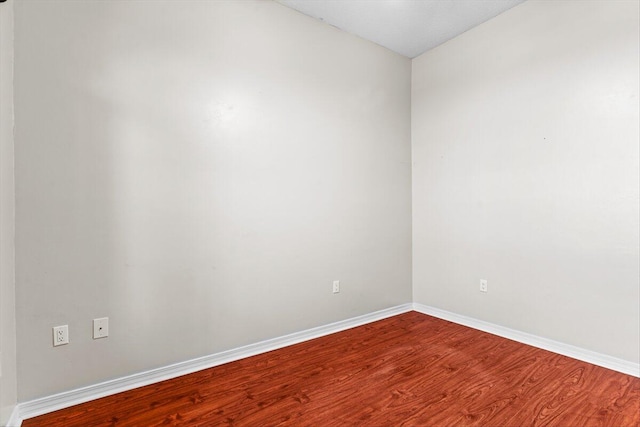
336 286
483 285
100 328
60 335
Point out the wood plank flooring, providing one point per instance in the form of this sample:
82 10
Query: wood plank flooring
408 370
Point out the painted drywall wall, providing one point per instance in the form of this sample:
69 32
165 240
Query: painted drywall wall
199 173
525 150
7 222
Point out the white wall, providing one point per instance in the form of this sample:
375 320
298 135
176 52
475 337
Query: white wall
525 150
199 173
7 221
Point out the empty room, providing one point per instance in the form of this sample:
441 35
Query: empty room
319 213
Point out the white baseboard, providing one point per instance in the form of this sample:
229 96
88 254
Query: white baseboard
66 399
14 419
589 356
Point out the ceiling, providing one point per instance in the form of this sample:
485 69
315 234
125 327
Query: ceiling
408 27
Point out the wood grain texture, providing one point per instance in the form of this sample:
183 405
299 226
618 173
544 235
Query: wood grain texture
408 370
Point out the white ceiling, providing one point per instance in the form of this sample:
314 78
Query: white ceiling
409 27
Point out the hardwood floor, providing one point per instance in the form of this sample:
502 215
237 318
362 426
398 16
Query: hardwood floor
408 370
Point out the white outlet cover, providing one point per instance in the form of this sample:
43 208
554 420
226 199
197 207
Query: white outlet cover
336 286
100 328
60 335
483 285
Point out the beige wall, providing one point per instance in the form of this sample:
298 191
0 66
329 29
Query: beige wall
7 221
525 150
200 174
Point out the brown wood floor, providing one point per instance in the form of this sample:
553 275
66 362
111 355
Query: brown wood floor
408 370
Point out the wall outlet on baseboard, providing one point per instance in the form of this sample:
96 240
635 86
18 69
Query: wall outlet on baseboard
483 285
336 286
60 335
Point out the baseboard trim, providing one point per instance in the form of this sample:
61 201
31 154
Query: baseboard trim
14 419
585 355
66 399
44 405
